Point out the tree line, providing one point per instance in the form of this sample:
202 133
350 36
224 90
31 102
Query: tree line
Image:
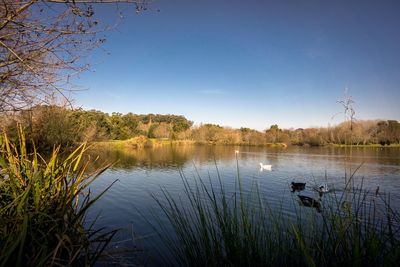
362 132
49 125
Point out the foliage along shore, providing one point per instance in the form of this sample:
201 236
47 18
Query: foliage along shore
145 142
49 125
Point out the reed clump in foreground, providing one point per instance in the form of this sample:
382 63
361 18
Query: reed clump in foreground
43 204
209 227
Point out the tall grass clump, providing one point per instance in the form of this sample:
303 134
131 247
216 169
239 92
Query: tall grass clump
207 226
43 204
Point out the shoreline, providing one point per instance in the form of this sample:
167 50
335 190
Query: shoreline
144 142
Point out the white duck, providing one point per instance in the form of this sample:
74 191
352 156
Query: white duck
265 167
323 188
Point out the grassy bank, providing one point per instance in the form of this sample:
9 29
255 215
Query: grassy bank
43 204
211 227
139 142
144 142
367 146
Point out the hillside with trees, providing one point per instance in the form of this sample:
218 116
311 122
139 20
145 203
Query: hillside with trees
47 125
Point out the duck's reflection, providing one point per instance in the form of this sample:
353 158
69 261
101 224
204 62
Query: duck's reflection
310 202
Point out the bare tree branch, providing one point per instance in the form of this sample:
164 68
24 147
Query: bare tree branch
348 105
43 43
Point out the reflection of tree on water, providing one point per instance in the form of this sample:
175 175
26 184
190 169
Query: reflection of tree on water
176 156
173 156
146 158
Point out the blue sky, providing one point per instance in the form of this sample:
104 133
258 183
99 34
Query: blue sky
249 63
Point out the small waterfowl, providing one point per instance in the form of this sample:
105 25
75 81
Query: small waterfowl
297 186
323 188
310 202
265 167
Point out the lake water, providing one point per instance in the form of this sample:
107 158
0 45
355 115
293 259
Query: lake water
141 173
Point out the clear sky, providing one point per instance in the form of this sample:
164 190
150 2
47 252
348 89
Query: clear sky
249 63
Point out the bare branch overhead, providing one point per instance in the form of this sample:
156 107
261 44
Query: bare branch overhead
43 43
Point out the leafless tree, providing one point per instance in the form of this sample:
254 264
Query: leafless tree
347 103
43 43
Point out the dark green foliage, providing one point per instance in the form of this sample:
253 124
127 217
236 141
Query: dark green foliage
274 134
150 133
181 124
53 127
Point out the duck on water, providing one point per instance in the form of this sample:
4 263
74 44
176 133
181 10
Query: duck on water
297 186
323 188
265 167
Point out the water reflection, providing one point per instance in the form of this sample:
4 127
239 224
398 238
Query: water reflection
310 202
177 156
143 172
156 158
154 167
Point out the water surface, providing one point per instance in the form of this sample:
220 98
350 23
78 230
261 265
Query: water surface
143 172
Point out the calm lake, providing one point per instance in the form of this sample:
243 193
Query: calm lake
143 172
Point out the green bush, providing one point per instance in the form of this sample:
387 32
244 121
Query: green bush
43 204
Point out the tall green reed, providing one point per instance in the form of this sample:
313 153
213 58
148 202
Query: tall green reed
207 226
43 204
